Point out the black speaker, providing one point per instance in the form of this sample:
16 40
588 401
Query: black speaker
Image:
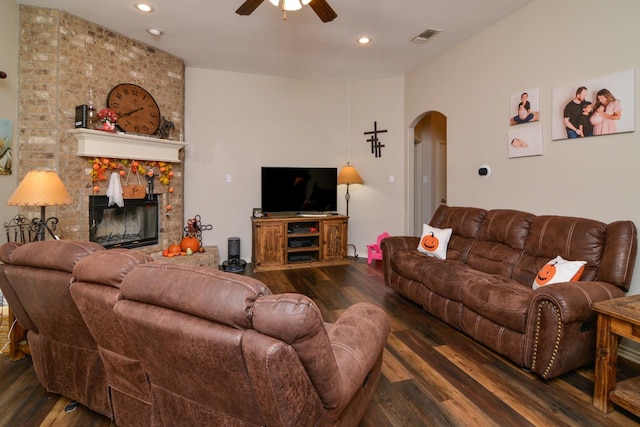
234 248
81 116
234 264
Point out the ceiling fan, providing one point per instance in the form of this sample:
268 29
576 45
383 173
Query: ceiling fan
320 7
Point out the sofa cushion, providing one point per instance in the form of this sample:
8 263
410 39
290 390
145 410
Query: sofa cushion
501 241
501 300
210 294
559 270
61 255
465 223
434 241
411 263
571 238
108 267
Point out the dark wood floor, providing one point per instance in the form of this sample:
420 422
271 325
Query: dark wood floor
433 375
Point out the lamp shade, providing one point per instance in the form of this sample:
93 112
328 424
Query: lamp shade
40 188
349 175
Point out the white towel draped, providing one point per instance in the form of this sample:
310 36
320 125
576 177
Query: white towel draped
114 192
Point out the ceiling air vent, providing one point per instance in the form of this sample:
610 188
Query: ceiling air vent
425 35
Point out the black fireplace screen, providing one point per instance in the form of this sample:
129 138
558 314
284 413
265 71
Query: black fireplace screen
131 226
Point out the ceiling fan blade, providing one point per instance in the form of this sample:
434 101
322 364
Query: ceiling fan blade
323 10
248 7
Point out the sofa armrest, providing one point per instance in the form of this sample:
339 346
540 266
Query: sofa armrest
399 243
561 327
357 340
574 300
394 244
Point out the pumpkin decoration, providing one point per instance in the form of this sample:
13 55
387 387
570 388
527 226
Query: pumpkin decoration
430 242
190 242
546 273
174 249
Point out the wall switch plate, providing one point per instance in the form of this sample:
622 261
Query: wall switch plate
392 178
228 178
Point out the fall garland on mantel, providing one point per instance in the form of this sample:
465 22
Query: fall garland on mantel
101 165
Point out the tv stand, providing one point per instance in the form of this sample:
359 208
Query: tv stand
299 242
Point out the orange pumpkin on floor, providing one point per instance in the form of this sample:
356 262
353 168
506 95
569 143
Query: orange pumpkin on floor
190 242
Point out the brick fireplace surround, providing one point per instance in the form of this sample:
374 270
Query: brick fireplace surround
62 58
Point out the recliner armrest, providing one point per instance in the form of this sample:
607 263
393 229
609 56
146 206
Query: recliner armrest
575 299
357 339
337 357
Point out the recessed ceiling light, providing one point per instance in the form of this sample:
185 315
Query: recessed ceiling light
364 40
155 31
143 7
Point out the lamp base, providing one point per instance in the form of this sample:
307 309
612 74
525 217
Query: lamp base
40 226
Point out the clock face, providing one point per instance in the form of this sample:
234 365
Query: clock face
137 111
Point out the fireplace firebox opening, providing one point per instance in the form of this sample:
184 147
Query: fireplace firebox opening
131 226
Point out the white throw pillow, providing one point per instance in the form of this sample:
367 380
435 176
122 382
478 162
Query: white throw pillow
559 270
434 241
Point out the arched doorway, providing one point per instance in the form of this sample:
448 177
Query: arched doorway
429 166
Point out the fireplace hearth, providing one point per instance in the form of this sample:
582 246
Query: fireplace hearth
131 226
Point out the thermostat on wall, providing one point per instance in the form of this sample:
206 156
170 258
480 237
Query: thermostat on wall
484 171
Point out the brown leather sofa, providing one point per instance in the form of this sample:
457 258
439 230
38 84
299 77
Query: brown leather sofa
96 290
484 286
35 280
174 344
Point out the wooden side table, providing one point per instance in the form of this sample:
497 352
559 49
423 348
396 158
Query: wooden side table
617 318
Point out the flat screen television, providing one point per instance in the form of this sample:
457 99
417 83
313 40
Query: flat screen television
299 190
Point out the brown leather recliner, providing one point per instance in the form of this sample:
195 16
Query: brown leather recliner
219 349
35 279
96 290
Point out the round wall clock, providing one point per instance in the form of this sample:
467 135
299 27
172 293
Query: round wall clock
137 111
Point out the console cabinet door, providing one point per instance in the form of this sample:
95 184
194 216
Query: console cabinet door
334 240
269 239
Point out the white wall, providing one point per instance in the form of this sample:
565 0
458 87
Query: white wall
9 33
547 44
378 205
237 123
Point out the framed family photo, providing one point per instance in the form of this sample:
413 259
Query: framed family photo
600 106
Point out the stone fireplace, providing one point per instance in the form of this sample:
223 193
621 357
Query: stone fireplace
62 59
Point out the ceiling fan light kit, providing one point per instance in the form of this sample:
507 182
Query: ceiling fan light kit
290 4
320 7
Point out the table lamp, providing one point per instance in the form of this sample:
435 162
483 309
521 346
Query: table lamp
41 188
349 175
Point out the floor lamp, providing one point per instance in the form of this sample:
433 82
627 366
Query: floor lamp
349 175
41 188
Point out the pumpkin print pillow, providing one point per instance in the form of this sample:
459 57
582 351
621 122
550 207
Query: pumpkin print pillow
434 241
559 270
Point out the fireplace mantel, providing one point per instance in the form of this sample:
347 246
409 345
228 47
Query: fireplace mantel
97 143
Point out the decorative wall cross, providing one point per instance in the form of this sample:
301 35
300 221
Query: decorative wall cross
376 146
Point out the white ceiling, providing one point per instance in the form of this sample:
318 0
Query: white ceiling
209 34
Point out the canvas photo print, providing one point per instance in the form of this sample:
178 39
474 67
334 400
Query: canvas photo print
525 107
526 141
601 106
